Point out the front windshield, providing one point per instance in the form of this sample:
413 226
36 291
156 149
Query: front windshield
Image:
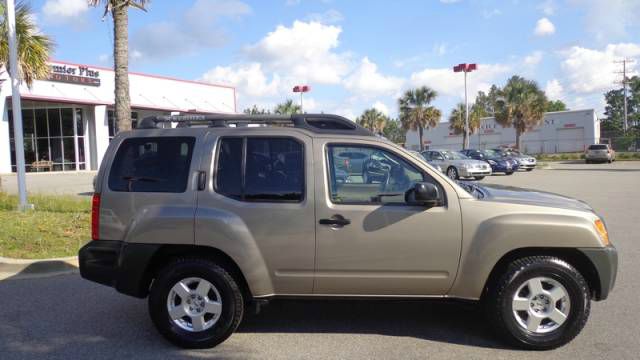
453 155
492 153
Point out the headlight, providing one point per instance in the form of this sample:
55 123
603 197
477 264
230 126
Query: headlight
491 162
602 231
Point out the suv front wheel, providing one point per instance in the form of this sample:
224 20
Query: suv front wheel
540 303
194 303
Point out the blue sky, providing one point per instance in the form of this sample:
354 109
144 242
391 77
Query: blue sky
361 54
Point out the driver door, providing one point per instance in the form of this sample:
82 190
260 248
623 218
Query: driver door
368 240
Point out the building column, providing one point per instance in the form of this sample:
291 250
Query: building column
5 146
101 132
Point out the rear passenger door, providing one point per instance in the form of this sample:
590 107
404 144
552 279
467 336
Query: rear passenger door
258 208
148 194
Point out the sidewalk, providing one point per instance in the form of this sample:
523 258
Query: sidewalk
68 183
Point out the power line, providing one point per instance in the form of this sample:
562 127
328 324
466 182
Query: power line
624 83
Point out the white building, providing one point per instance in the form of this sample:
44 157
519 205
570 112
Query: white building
561 131
68 119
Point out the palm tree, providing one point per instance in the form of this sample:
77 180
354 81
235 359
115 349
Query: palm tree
456 119
287 108
33 48
373 120
415 112
520 104
119 10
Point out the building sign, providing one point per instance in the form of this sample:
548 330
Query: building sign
569 125
73 74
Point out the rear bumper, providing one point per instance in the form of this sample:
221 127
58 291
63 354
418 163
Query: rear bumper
598 157
605 261
120 265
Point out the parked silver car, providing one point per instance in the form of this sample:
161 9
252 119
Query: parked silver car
419 156
599 153
525 162
457 165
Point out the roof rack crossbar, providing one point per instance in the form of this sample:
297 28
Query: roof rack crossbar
320 123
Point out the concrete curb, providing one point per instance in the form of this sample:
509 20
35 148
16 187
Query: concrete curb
36 268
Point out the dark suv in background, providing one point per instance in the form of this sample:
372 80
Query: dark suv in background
497 160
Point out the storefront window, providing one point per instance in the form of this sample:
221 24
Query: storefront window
113 126
53 139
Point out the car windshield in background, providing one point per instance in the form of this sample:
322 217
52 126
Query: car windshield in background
492 153
453 155
597 147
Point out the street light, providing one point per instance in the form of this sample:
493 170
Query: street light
466 68
301 89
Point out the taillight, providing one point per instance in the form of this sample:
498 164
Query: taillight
95 217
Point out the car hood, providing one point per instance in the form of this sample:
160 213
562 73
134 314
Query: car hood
466 161
515 195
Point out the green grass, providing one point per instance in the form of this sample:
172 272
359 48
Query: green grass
580 156
57 227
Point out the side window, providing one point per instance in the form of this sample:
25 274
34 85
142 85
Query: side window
373 176
229 171
158 164
273 169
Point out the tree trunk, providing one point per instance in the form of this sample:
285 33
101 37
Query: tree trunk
420 130
121 65
518 135
465 140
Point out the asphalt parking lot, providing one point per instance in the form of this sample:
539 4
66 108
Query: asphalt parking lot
65 317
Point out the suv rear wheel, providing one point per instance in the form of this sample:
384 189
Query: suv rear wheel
540 303
195 303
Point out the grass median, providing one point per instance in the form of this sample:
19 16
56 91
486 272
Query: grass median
58 226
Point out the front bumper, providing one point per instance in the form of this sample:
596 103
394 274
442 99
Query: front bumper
474 172
118 264
605 261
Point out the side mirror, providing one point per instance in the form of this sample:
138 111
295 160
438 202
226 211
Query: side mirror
423 193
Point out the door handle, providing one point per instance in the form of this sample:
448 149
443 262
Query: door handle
335 220
202 180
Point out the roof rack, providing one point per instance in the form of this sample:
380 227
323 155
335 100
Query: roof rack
318 123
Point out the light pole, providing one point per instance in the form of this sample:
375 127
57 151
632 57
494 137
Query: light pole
301 89
16 106
466 68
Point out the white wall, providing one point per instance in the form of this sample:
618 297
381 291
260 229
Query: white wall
562 131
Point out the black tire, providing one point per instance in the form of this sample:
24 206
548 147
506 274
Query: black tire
452 173
609 161
509 173
230 296
478 177
530 169
499 307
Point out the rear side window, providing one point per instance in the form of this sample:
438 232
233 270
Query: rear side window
261 169
597 147
158 164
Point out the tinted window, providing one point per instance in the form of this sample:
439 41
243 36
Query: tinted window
597 147
382 177
274 169
152 165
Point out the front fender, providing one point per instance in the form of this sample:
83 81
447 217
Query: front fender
487 240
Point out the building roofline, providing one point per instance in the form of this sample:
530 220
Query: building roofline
546 113
146 75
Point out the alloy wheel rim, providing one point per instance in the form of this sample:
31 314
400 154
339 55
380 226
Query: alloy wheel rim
541 305
194 304
452 173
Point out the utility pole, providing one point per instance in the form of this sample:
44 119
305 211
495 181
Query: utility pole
16 107
624 83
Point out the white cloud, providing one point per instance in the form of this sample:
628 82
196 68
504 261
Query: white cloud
609 20
330 16
548 7
544 27
448 83
249 79
533 59
380 106
488 14
440 49
366 81
304 51
590 70
554 90
188 32
62 11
